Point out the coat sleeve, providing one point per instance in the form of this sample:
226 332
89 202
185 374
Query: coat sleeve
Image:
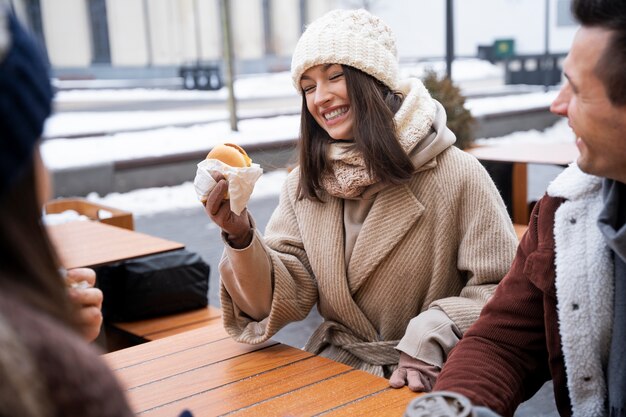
502 359
294 289
486 240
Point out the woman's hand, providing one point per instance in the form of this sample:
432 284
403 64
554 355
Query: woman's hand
237 227
418 375
87 299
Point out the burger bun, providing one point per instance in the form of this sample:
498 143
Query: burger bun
231 155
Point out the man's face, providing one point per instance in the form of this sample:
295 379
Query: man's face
600 127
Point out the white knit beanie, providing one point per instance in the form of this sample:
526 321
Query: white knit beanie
348 37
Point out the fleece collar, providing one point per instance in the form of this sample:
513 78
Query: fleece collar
573 184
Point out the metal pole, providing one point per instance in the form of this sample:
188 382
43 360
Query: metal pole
303 14
228 61
196 23
267 28
545 67
449 37
146 19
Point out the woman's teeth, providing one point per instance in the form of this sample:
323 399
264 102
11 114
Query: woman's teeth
335 113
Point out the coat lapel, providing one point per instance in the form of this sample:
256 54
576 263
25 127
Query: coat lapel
372 246
323 229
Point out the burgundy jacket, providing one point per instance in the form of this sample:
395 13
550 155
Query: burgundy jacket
515 346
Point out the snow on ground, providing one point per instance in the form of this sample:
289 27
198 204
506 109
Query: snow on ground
65 153
153 200
149 201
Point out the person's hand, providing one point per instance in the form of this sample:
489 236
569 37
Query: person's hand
88 300
237 227
419 376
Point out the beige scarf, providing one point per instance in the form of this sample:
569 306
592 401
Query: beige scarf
348 176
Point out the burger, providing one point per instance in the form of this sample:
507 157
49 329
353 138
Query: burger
230 154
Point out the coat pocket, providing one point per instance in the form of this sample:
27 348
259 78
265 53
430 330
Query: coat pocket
540 270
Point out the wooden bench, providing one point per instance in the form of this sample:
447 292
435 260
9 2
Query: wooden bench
122 335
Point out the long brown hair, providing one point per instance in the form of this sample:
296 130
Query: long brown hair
28 263
374 106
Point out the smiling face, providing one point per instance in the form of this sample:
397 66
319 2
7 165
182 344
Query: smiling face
599 125
327 100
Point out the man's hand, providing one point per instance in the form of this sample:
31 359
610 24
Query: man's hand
88 300
419 376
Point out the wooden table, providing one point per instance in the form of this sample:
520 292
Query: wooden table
90 243
520 155
208 373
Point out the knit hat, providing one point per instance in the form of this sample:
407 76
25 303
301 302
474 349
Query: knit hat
348 37
25 98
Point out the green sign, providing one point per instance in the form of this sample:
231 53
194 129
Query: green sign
503 48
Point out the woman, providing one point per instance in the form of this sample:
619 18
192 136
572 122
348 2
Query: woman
384 225
46 367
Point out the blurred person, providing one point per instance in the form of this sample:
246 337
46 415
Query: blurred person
384 224
80 281
560 313
46 367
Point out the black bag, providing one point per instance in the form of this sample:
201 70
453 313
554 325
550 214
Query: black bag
154 285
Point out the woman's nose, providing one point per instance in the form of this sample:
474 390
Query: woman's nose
561 102
322 95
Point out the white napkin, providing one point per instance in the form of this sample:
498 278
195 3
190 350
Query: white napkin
240 182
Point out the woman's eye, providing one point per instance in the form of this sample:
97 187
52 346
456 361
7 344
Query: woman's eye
308 88
335 76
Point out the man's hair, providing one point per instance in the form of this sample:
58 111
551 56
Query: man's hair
373 106
611 68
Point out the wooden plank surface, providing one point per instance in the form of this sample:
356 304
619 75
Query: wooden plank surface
255 388
561 153
210 374
320 397
160 327
388 403
89 243
163 347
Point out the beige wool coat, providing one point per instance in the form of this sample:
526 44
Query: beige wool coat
444 240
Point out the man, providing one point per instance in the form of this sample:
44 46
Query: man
560 313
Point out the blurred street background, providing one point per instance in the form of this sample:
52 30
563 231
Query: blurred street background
145 88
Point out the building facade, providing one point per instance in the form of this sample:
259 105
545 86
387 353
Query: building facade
153 38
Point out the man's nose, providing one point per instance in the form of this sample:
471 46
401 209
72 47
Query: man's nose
561 102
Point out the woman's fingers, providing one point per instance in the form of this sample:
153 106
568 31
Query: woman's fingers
398 378
79 275
86 297
414 380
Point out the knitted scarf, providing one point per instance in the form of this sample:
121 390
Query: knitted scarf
348 176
